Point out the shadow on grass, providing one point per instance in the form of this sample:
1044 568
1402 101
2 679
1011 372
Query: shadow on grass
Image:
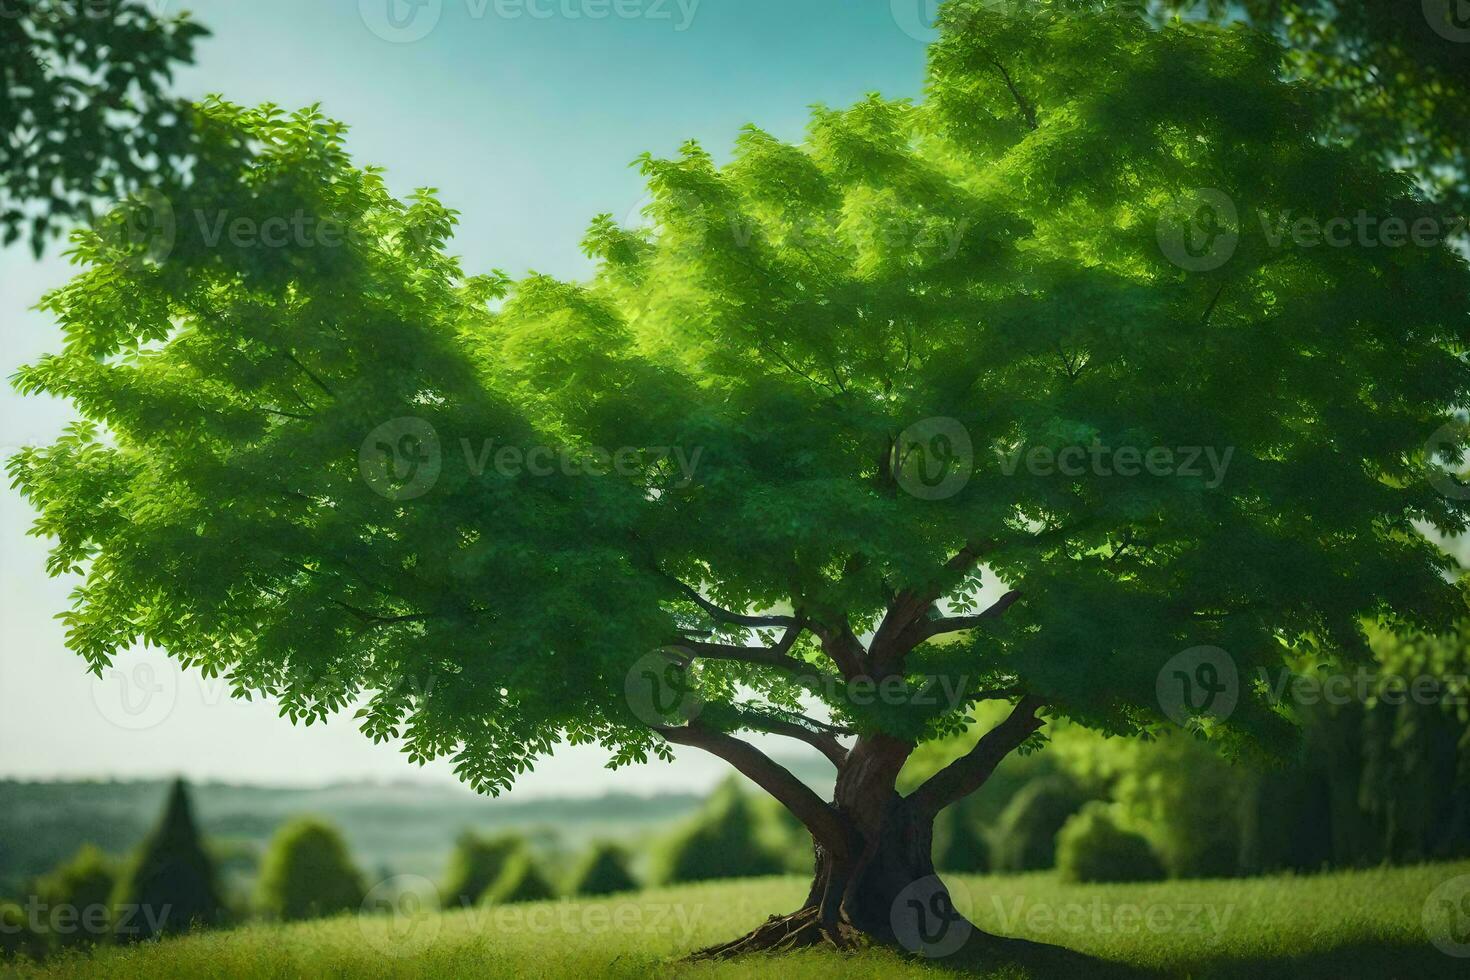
1019 959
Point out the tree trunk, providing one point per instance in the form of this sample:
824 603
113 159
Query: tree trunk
881 886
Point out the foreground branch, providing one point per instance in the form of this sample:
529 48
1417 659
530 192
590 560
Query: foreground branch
969 772
769 775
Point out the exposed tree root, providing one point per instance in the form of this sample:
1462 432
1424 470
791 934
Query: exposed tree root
781 933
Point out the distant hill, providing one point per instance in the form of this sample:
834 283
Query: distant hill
395 828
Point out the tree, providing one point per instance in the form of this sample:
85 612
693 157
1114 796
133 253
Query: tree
83 886
603 871
473 867
170 887
84 110
520 880
308 874
726 839
351 473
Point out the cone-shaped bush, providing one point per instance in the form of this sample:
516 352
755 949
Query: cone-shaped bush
602 871
170 886
1092 847
83 885
521 880
307 874
473 867
725 839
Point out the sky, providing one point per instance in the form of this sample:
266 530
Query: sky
525 115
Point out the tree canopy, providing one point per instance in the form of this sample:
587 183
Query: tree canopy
85 115
289 467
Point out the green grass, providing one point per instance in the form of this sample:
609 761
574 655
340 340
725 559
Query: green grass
1350 924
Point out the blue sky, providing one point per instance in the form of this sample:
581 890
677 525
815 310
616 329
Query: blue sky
525 114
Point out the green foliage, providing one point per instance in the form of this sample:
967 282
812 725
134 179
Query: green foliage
84 114
84 885
1177 789
603 870
960 843
308 874
520 880
17 938
475 864
1025 836
1092 847
726 839
989 256
170 885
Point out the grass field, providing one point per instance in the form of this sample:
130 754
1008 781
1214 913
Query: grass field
1351 924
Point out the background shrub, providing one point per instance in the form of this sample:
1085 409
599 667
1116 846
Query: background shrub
307 873
1025 838
603 870
1092 847
726 839
475 864
521 880
85 885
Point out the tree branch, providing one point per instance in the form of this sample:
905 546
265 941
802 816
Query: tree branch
926 629
969 772
907 607
824 742
722 615
769 775
1026 108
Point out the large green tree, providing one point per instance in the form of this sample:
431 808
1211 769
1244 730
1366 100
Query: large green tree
341 469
